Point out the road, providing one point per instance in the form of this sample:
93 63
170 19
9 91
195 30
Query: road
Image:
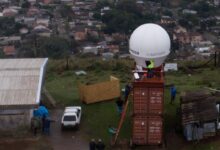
67 139
57 140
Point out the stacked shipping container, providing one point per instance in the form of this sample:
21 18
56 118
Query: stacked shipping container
148 99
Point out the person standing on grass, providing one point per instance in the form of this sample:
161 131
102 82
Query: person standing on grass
92 144
119 104
172 93
127 91
100 145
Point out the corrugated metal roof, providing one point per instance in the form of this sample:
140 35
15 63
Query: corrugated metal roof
198 106
21 81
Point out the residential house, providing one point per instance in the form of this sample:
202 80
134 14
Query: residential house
9 50
80 33
108 38
19 19
119 37
33 11
72 24
215 29
47 1
216 2
187 38
217 18
113 48
179 29
107 55
196 38
23 31
67 2
90 49
9 12
4 1
204 47
204 51
182 38
32 2
10 40
104 10
20 91
203 44
29 21
42 30
42 21
188 11
93 33
167 20
15 7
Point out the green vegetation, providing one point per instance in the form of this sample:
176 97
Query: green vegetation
123 17
8 26
96 117
53 47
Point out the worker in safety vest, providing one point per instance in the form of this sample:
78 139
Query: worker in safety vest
150 66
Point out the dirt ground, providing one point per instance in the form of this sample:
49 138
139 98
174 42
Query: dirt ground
75 140
67 139
57 140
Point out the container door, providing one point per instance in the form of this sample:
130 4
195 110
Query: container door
155 100
140 100
155 130
140 130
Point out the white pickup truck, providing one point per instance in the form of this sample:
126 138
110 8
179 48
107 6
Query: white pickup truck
71 117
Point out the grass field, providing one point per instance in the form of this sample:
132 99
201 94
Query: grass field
96 117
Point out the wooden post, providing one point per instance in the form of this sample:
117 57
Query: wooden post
215 59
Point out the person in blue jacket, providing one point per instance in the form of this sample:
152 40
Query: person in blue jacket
172 93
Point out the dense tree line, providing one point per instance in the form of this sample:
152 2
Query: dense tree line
8 26
123 17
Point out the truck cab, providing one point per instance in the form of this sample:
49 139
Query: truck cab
71 117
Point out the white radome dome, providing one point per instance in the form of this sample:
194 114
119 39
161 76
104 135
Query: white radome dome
149 42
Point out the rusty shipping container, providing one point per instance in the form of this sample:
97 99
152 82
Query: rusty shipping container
148 100
147 130
148 96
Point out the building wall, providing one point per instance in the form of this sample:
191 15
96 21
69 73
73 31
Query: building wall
12 119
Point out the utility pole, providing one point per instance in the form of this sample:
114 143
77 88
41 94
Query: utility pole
218 59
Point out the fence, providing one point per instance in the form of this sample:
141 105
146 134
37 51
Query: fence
100 92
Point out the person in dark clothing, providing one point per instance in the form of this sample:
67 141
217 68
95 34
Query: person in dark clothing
100 145
47 126
92 144
127 91
119 104
35 125
43 123
172 93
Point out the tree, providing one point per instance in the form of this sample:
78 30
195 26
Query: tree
125 17
102 3
8 26
204 9
2 54
185 23
25 4
54 47
66 12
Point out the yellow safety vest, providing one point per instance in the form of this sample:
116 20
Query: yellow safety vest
151 64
